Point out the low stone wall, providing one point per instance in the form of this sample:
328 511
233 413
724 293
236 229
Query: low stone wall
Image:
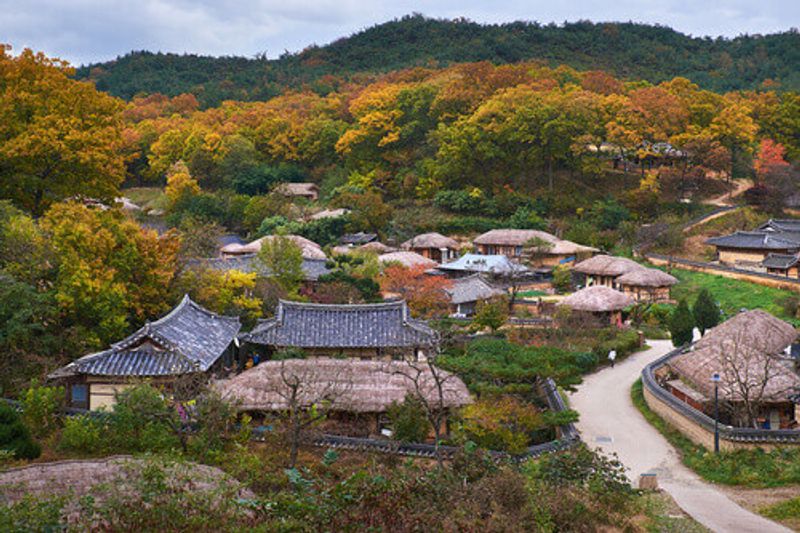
698 426
768 280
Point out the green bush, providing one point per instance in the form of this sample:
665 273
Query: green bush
624 342
15 436
681 325
409 423
142 420
82 434
40 406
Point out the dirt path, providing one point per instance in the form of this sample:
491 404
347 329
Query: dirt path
725 199
609 421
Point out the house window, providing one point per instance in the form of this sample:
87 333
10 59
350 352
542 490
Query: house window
79 396
518 251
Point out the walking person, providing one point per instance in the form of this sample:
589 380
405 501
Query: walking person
612 356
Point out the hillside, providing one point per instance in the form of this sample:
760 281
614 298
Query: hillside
628 50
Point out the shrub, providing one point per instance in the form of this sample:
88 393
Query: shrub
15 436
142 420
409 423
681 325
492 313
500 423
81 434
624 342
40 407
705 311
562 278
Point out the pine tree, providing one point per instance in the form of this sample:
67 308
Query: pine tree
706 312
681 324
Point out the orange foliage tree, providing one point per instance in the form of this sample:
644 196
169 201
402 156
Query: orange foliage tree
425 293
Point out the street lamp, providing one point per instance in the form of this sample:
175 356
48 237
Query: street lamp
716 379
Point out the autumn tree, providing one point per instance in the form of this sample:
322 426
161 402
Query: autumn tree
228 292
58 137
770 160
492 313
180 183
111 273
425 293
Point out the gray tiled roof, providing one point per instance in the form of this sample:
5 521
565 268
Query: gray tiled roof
302 325
188 338
780 261
781 225
358 238
312 268
758 240
471 289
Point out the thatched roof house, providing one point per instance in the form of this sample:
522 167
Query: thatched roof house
512 243
357 239
330 213
597 299
310 249
433 246
375 247
646 284
749 352
466 292
364 330
306 190
189 339
407 259
346 385
607 266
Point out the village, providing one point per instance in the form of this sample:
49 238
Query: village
455 296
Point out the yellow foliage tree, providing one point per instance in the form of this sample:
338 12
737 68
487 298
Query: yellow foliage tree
180 183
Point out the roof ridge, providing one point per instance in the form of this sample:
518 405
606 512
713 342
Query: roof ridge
344 307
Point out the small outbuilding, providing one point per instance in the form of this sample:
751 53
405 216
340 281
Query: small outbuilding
407 259
490 265
434 246
309 191
646 284
310 249
787 265
465 293
600 302
513 243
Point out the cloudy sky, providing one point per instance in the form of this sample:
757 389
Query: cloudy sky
84 31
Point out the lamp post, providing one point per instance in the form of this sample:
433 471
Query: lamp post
716 379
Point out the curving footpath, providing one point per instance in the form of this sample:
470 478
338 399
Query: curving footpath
609 421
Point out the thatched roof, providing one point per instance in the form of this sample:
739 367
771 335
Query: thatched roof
77 478
597 299
377 247
520 237
430 240
472 289
298 189
348 385
748 349
330 213
647 277
607 265
407 259
310 249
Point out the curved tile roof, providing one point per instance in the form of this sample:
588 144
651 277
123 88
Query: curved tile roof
303 325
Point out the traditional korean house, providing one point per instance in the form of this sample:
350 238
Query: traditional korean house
605 269
367 331
782 265
489 265
310 249
407 259
374 247
601 303
190 339
646 285
309 191
357 239
752 353
750 248
357 394
465 293
513 243
434 246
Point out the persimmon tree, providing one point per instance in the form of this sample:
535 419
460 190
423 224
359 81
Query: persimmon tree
425 293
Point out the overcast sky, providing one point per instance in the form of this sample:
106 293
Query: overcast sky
84 31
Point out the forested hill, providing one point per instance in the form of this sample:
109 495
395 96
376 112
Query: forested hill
628 50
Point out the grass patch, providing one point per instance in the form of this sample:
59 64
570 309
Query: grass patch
748 468
788 510
745 218
531 294
732 295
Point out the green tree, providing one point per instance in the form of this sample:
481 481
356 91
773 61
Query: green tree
283 261
562 278
409 423
681 324
491 313
706 311
14 435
